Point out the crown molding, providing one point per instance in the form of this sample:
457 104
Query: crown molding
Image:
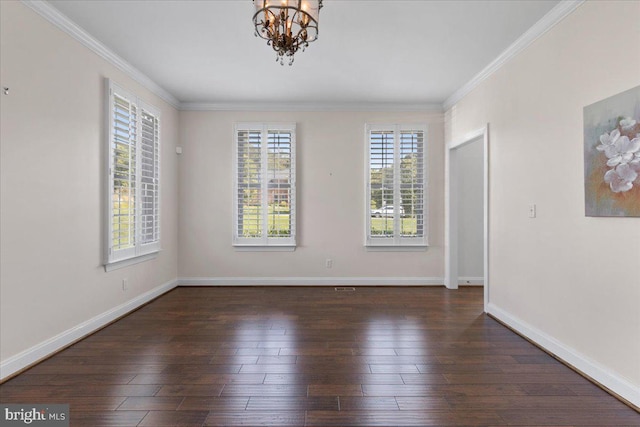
61 21
319 106
57 18
53 15
553 17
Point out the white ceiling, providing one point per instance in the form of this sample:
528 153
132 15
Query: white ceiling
369 51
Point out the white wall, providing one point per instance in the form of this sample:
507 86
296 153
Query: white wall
572 280
330 183
470 208
52 149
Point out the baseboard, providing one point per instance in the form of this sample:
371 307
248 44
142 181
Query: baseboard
35 354
471 281
590 368
310 281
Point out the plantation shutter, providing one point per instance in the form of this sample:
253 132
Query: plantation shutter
149 178
249 184
280 176
134 176
264 204
396 185
412 179
124 130
382 181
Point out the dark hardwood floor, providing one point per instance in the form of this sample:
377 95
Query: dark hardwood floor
313 356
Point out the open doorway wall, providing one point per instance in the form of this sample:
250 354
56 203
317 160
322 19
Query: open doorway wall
469 201
467 211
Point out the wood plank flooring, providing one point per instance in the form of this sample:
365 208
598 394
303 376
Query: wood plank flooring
311 356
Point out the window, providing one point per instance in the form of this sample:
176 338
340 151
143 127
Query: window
265 185
134 176
396 185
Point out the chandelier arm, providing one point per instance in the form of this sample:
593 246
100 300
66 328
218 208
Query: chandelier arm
301 31
261 25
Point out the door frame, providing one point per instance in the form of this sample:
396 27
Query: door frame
451 215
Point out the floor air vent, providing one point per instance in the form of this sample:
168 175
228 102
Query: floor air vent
345 289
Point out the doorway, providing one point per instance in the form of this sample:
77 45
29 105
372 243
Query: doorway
467 212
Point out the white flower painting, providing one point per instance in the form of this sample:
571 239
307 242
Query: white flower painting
612 155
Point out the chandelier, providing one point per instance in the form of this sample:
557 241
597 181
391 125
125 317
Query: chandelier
287 25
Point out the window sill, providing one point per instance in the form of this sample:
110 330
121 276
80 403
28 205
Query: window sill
130 261
396 248
264 248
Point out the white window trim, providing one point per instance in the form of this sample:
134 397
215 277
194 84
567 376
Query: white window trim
397 243
140 252
265 243
130 261
262 248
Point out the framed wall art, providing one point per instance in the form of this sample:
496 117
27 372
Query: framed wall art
612 156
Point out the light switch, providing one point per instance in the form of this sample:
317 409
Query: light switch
532 211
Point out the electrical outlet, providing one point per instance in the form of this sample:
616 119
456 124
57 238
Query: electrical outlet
532 211
125 284
328 263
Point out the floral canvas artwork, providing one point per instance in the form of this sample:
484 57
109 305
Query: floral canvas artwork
612 155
